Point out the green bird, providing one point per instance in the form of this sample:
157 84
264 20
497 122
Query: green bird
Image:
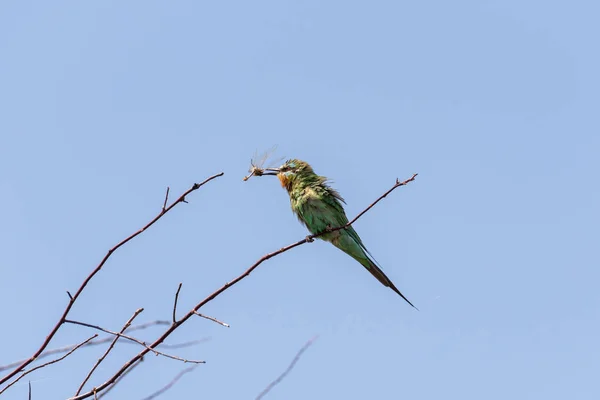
319 207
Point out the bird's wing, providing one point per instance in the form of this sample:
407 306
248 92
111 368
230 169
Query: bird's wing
341 219
321 207
317 209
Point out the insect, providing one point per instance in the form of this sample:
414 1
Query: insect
257 163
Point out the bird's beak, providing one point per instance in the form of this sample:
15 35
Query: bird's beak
271 171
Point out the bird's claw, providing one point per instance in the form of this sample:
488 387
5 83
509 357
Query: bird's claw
310 239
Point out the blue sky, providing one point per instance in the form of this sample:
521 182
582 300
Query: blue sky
494 104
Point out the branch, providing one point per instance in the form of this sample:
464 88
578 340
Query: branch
108 339
212 319
287 371
89 375
46 364
396 186
164 209
170 384
73 298
175 303
215 294
156 352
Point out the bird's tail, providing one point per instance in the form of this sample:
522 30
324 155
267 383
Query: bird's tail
381 277
349 242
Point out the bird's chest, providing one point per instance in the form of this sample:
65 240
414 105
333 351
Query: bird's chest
313 212
305 200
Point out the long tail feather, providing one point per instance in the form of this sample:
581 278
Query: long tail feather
350 244
381 277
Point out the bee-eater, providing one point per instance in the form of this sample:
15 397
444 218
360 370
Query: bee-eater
319 207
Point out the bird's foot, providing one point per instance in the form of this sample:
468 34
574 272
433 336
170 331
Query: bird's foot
310 239
328 228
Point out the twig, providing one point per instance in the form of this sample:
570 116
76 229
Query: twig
287 371
48 363
29 390
106 340
149 348
52 333
164 207
175 303
212 319
216 293
110 338
170 384
396 186
127 325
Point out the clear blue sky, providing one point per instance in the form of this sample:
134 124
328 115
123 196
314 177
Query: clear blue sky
494 103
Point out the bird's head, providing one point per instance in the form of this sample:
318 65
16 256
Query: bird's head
291 172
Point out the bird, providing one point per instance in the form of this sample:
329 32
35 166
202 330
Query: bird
319 207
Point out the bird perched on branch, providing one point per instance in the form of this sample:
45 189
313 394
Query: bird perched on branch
318 206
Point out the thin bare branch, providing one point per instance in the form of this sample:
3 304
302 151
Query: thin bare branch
110 252
156 352
164 207
112 386
175 303
288 369
212 319
110 339
29 390
396 186
170 384
106 340
112 344
219 291
46 364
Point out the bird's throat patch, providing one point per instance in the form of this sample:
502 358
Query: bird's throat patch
285 182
